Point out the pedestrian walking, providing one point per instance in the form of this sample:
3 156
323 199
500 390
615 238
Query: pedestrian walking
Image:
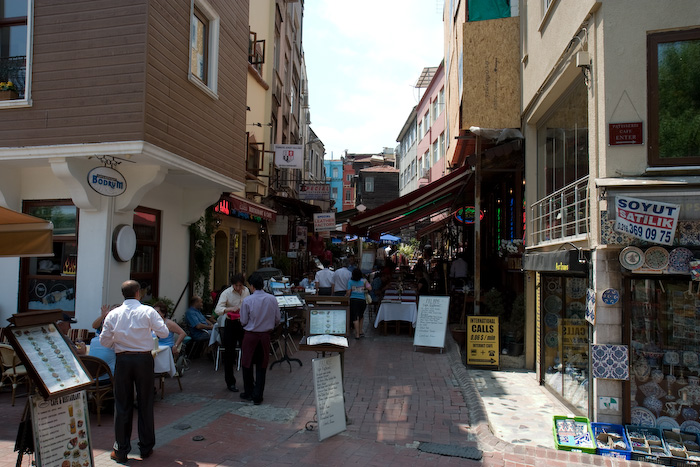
260 314
229 305
128 330
357 286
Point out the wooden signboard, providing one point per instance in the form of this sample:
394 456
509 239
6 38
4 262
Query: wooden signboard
330 403
482 341
61 431
431 323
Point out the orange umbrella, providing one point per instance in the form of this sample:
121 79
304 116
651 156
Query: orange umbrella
24 235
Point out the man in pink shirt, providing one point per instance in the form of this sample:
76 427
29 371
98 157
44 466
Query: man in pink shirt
260 314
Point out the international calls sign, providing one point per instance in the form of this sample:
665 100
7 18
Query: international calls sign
651 221
289 156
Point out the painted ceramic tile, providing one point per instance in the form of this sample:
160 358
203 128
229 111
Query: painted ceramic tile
590 306
610 361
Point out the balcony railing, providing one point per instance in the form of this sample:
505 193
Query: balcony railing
561 215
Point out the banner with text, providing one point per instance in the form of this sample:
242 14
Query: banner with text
289 156
319 191
482 341
652 221
324 221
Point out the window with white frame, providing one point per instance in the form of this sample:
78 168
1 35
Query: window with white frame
204 46
436 152
434 112
420 129
442 144
335 172
15 44
426 123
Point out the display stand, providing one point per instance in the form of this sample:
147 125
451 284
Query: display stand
285 336
431 323
60 377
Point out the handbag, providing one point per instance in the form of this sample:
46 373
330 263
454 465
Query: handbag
368 298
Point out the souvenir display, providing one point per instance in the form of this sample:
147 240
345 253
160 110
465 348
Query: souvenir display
679 260
576 288
632 258
573 433
552 304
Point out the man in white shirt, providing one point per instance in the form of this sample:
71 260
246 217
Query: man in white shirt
229 304
324 279
340 280
127 329
458 271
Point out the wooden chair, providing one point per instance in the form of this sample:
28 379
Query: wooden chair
100 390
12 371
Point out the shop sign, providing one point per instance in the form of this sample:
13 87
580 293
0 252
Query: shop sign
324 221
106 181
289 156
293 245
319 191
625 133
482 341
237 208
651 221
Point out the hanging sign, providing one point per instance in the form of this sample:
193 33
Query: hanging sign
625 133
466 215
324 221
652 221
318 191
106 181
289 156
482 341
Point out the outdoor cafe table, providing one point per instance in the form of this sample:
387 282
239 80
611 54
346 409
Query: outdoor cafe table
164 364
396 310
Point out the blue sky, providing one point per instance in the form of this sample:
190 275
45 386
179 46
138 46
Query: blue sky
363 58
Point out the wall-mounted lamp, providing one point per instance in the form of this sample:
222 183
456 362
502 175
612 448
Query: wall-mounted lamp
583 61
258 124
581 257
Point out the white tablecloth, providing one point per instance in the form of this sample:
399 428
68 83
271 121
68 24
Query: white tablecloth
163 361
397 312
216 334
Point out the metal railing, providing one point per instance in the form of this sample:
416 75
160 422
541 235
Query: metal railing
561 215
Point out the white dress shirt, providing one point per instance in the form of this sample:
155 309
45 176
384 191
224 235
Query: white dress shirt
128 327
340 279
230 299
324 278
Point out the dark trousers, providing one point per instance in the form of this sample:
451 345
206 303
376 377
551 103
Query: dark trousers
133 370
233 337
255 386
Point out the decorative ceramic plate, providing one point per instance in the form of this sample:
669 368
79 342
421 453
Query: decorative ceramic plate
690 426
552 304
656 257
551 340
632 258
690 358
551 320
671 358
576 307
576 288
667 423
643 417
554 286
679 259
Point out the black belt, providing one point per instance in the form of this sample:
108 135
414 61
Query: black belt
129 352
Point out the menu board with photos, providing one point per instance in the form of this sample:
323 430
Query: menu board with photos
61 431
49 359
328 321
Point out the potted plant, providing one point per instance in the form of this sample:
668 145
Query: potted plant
8 91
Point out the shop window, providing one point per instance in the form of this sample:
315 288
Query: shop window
664 362
565 339
48 283
145 263
674 97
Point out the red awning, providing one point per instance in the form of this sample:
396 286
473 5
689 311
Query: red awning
420 203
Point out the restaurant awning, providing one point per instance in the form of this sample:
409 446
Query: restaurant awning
24 235
441 194
293 207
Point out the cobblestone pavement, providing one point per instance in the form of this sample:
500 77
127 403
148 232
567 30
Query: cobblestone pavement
402 406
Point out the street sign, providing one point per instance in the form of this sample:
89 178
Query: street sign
482 341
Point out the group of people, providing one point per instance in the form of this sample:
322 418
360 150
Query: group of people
124 340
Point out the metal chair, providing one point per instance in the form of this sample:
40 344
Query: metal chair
100 390
12 371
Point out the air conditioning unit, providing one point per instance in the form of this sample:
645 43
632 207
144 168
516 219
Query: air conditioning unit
425 172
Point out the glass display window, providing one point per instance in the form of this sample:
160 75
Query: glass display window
565 339
664 317
48 282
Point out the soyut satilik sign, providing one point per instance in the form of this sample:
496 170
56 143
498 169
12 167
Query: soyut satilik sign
652 221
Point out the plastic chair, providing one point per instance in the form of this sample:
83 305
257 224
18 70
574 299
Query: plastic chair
12 371
100 390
